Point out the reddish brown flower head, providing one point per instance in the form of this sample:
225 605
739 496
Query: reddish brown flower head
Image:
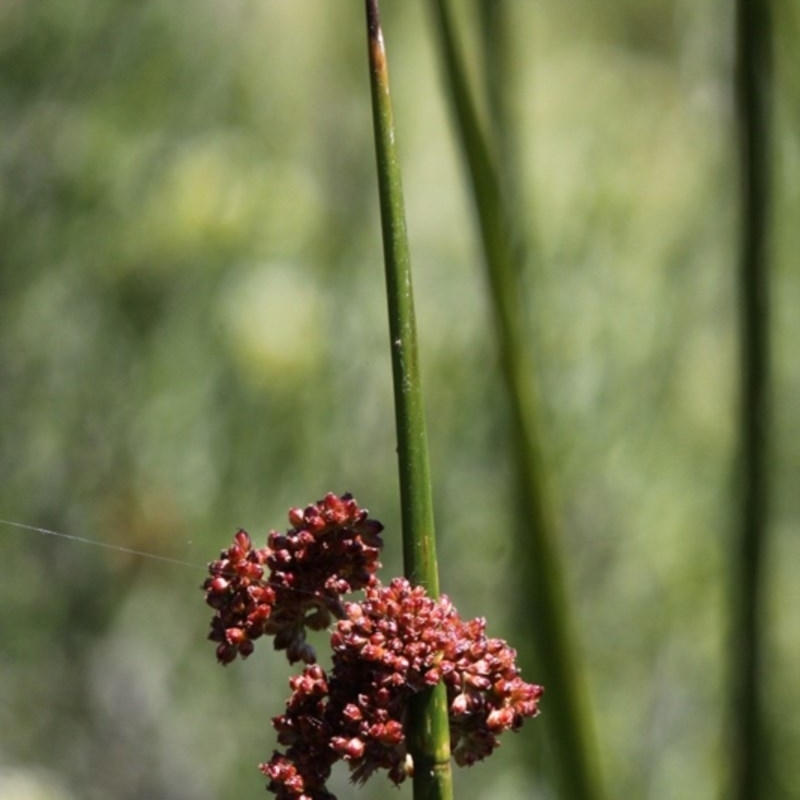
398 641
356 713
305 731
241 599
395 643
485 692
287 782
332 550
333 545
296 582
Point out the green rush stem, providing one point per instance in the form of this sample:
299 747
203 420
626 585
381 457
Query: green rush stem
749 779
428 726
544 607
498 67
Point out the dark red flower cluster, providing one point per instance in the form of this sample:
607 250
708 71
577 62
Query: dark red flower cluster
395 643
484 690
295 582
301 773
242 600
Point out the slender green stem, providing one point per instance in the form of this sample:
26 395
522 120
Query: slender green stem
428 727
498 61
753 79
544 608
499 66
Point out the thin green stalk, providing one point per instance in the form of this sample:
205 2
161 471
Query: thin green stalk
545 610
493 23
498 65
752 79
428 727
498 62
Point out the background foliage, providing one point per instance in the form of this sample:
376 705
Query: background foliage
193 338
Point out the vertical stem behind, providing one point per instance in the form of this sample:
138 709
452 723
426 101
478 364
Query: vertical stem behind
428 727
752 86
499 61
544 606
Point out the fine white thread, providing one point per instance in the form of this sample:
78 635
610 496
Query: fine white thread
97 543
139 553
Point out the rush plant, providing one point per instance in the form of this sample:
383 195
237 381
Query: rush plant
411 686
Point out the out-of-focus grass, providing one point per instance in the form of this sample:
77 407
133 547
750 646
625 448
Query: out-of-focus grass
165 166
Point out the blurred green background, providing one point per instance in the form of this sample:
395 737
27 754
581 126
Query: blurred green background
193 338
